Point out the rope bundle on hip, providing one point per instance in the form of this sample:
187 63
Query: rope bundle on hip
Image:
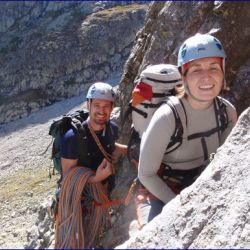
80 222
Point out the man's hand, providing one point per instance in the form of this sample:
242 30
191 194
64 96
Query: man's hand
120 150
103 171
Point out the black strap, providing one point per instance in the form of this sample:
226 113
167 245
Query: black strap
216 117
145 105
221 121
152 105
161 81
204 147
139 111
176 138
80 132
204 134
221 116
133 150
185 113
168 171
160 95
183 178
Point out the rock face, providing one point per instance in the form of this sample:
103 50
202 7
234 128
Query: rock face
168 24
50 51
214 211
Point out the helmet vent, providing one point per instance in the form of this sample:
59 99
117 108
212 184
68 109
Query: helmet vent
184 50
201 48
92 90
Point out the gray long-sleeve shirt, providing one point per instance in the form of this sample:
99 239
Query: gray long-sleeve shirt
189 155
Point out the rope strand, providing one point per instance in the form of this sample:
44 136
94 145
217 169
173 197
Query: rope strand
107 156
79 221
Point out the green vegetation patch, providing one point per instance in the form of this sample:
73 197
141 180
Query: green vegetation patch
122 8
23 182
108 13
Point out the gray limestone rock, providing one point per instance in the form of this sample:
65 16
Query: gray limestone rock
49 51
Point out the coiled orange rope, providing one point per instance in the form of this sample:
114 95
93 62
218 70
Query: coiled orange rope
80 221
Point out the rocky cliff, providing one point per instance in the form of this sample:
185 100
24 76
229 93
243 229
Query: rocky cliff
214 212
168 24
51 50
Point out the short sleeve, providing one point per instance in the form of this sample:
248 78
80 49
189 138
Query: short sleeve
69 145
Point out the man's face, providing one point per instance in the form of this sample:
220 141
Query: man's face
99 111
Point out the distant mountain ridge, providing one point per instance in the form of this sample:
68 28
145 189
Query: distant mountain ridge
50 50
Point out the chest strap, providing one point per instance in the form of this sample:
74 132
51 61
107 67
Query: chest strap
222 123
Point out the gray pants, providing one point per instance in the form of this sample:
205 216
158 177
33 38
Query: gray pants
147 210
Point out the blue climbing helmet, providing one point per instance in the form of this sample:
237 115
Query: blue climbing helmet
102 91
200 46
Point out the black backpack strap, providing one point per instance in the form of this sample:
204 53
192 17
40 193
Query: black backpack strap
160 81
221 124
181 178
139 111
145 105
221 116
177 137
133 150
152 105
80 132
158 95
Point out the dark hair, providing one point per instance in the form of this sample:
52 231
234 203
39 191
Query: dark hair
180 91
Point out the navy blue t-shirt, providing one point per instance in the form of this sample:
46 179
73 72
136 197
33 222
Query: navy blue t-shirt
70 147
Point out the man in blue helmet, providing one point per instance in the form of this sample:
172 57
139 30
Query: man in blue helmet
87 181
206 119
100 102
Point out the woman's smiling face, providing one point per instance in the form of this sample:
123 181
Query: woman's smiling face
204 79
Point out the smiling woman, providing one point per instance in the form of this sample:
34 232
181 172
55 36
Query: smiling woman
201 60
205 121
203 80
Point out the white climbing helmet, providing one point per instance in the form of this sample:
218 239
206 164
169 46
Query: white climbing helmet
102 91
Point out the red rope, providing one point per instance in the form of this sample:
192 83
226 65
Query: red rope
83 210
79 222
